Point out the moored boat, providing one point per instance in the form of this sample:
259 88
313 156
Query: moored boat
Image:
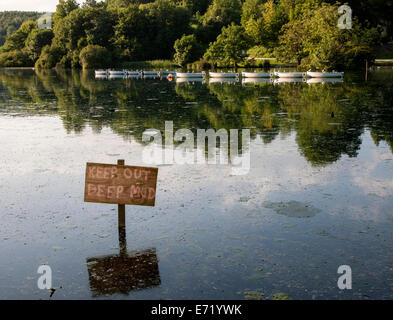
151 73
255 74
101 72
167 72
134 73
116 73
334 74
223 75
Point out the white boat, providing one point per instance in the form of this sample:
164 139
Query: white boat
223 75
151 73
134 73
323 74
284 74
189 75
255 74
116 73
167 72
101 72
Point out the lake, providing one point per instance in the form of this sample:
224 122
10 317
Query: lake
318 193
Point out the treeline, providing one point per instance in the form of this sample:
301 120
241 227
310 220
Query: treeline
10 21
221 32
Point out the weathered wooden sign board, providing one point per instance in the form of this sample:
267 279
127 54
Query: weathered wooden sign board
120 184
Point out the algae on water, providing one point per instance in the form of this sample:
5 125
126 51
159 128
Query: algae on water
292 208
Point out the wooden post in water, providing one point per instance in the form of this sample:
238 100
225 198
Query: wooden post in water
122 222
121 207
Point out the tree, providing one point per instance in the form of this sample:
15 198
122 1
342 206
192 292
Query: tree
50 56
64 8
133 33
15 58
263 21
314 41
36 40
170 23
187 50
17 40
223 12
82 27
195 5
219 14
94 56
230 46
141 30
10 21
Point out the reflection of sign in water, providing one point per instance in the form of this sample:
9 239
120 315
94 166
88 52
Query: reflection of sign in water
123 273
119 184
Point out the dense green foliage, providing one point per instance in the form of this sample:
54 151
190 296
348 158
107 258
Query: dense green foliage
230 47
304 32
187 50
10 21
314 41
93 56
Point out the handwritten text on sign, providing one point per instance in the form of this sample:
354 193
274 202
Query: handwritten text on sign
117 184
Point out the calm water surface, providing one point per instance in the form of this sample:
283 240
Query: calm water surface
319 193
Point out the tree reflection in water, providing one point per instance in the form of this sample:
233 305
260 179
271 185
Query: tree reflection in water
327 118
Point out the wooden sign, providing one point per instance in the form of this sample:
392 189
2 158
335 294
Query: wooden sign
119 184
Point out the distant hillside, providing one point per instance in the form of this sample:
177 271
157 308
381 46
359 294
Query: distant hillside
10 21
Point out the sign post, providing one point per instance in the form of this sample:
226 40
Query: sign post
121 207
120 184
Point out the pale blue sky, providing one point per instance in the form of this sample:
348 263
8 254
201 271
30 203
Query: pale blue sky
30 5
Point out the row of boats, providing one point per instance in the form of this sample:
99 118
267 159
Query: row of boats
244 81
244 74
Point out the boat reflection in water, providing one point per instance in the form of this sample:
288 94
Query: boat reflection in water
190 80
325 80
116 76
223 80
288 80
256 80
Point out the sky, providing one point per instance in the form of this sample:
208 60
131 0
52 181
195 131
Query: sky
30 5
